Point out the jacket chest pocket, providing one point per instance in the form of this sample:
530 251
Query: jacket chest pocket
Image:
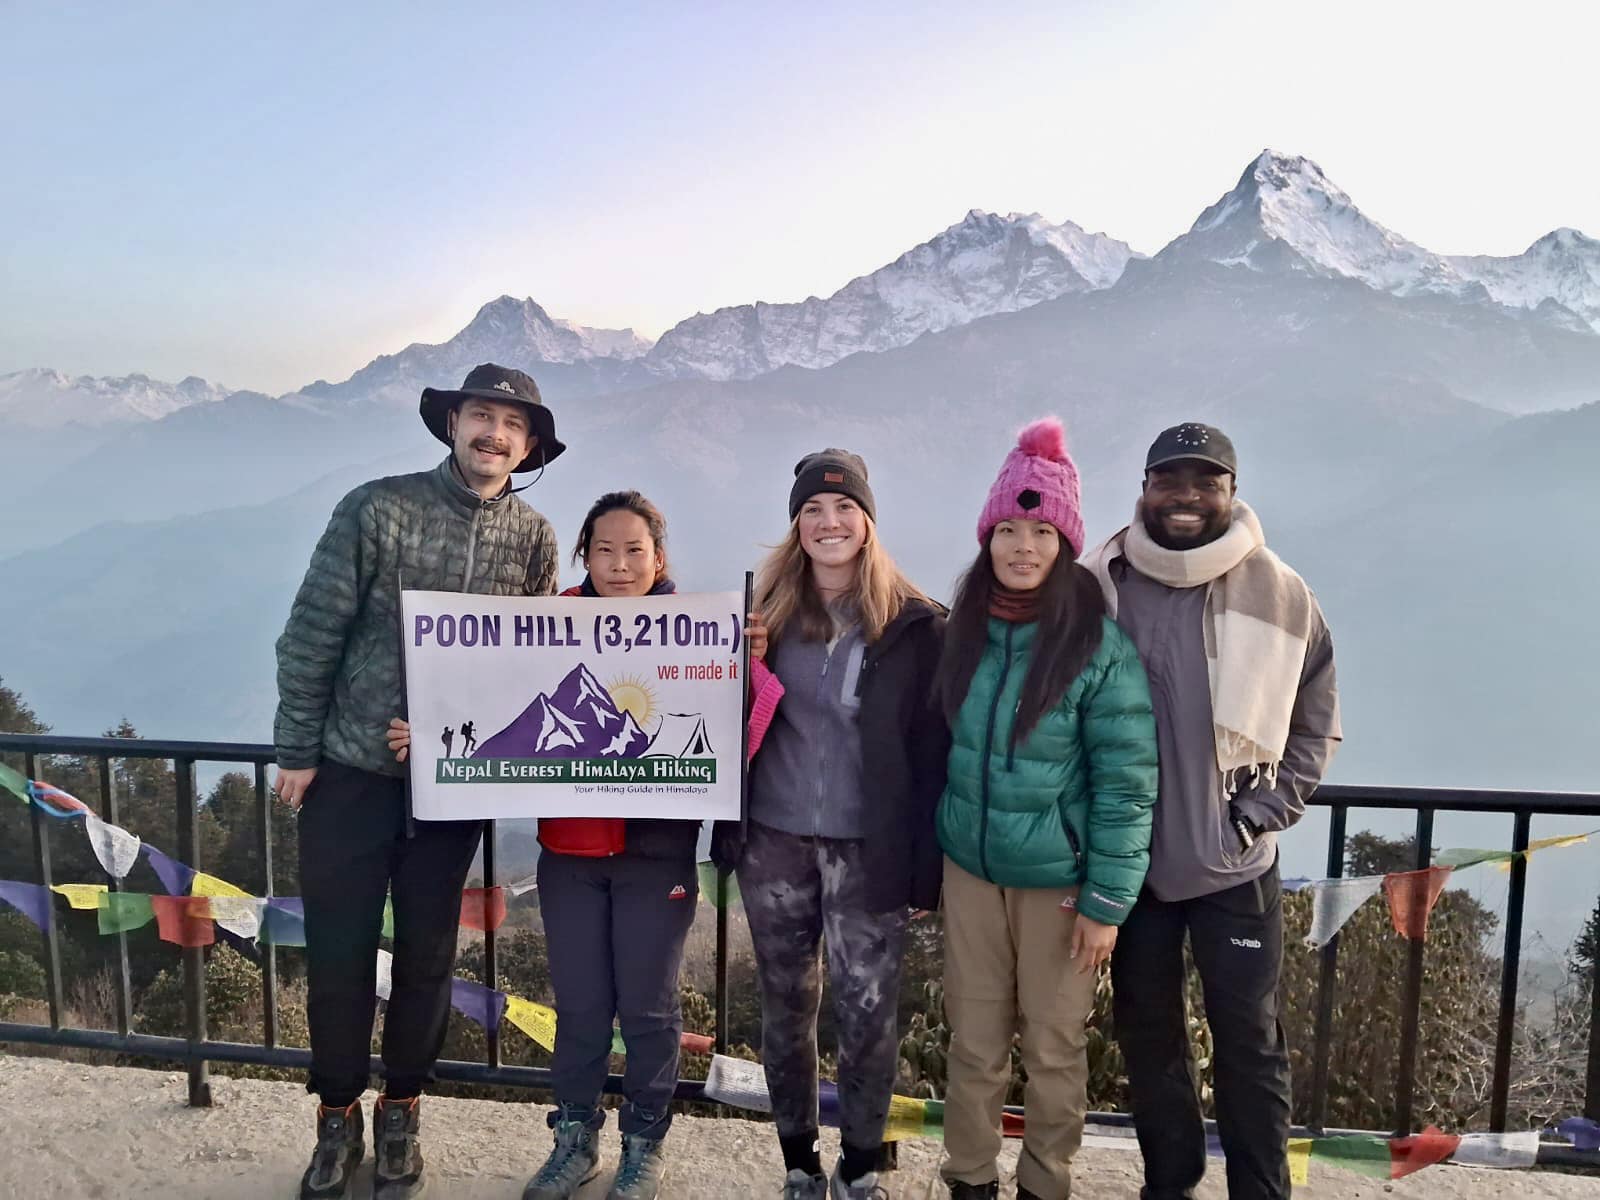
853 678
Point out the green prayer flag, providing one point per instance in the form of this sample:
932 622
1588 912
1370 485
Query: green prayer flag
1459 858
388 918
617 1046
13 782
708 885
1363 1154
122 911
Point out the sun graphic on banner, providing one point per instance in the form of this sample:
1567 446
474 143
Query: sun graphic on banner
631 694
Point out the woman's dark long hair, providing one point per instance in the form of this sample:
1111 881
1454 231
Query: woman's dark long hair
1070 609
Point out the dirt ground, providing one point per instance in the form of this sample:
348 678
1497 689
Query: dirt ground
102 1133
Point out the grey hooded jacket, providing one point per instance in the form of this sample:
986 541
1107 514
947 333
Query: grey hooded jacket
339 656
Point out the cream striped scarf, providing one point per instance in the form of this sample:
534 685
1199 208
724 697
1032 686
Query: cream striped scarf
1257 624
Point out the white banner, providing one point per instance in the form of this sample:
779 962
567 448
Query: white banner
574 707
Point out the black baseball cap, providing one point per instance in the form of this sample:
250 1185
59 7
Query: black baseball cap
1204 443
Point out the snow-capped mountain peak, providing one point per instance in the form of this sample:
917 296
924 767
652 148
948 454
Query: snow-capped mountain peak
40 398
551 339
1286 213
518 333
983 264
1563 265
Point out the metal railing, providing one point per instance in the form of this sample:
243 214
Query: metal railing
1426 802
197 1050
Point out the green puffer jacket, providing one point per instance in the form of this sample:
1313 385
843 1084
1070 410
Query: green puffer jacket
339 656
1070 804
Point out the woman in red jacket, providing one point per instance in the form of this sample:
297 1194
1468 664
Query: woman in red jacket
618 897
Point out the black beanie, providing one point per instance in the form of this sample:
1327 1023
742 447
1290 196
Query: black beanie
831 470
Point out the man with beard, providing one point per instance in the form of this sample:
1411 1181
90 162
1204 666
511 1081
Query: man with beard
1247 720
456 528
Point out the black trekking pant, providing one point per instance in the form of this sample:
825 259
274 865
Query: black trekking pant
1237 939
614 930
353 851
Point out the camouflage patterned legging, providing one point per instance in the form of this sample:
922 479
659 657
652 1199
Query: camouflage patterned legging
798 892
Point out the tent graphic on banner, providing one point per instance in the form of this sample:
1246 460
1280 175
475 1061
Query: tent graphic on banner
681 735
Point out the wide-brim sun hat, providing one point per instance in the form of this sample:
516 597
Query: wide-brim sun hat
507 386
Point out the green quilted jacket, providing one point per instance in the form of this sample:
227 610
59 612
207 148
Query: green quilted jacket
339 656
1069 804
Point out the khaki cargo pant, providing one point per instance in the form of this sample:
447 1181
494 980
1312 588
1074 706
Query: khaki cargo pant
1007 971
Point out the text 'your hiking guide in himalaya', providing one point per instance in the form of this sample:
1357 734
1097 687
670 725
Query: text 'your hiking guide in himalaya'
551 707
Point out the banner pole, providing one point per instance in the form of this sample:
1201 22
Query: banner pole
744 813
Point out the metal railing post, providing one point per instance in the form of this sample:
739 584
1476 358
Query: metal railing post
720 1040
1327 978
1510 965
194 961
108 805
1591 1083
491 966
268 952
1411 996
41 863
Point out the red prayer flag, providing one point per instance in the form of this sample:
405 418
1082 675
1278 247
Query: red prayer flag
483 908
1425 1149
184 920
1411 896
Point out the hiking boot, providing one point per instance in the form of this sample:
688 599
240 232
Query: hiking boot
797 1185
398 1149
340 1146
865 1188
643 1167
573 1161
974 1191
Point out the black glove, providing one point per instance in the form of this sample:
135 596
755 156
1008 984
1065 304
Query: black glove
1246 829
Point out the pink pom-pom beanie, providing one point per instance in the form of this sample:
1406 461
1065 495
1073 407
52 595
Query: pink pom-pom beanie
1038 482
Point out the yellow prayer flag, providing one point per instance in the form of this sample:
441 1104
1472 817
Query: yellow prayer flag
210 885
1299 1161
535 1020
80 895
1551 843
906 1118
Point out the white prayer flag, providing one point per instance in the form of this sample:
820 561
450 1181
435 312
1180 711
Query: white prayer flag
738 1083
114 846
1334 901
385 974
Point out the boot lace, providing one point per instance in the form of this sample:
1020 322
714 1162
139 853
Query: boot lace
636 1159
565 1162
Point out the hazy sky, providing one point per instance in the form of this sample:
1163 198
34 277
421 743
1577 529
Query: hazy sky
268 194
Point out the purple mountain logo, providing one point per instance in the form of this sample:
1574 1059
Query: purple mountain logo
578 721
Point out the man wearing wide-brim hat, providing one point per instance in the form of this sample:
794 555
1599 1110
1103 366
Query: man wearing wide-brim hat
456 528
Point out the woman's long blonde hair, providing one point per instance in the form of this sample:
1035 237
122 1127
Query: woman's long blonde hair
787 599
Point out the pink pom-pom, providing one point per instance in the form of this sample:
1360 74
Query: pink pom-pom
1044 438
